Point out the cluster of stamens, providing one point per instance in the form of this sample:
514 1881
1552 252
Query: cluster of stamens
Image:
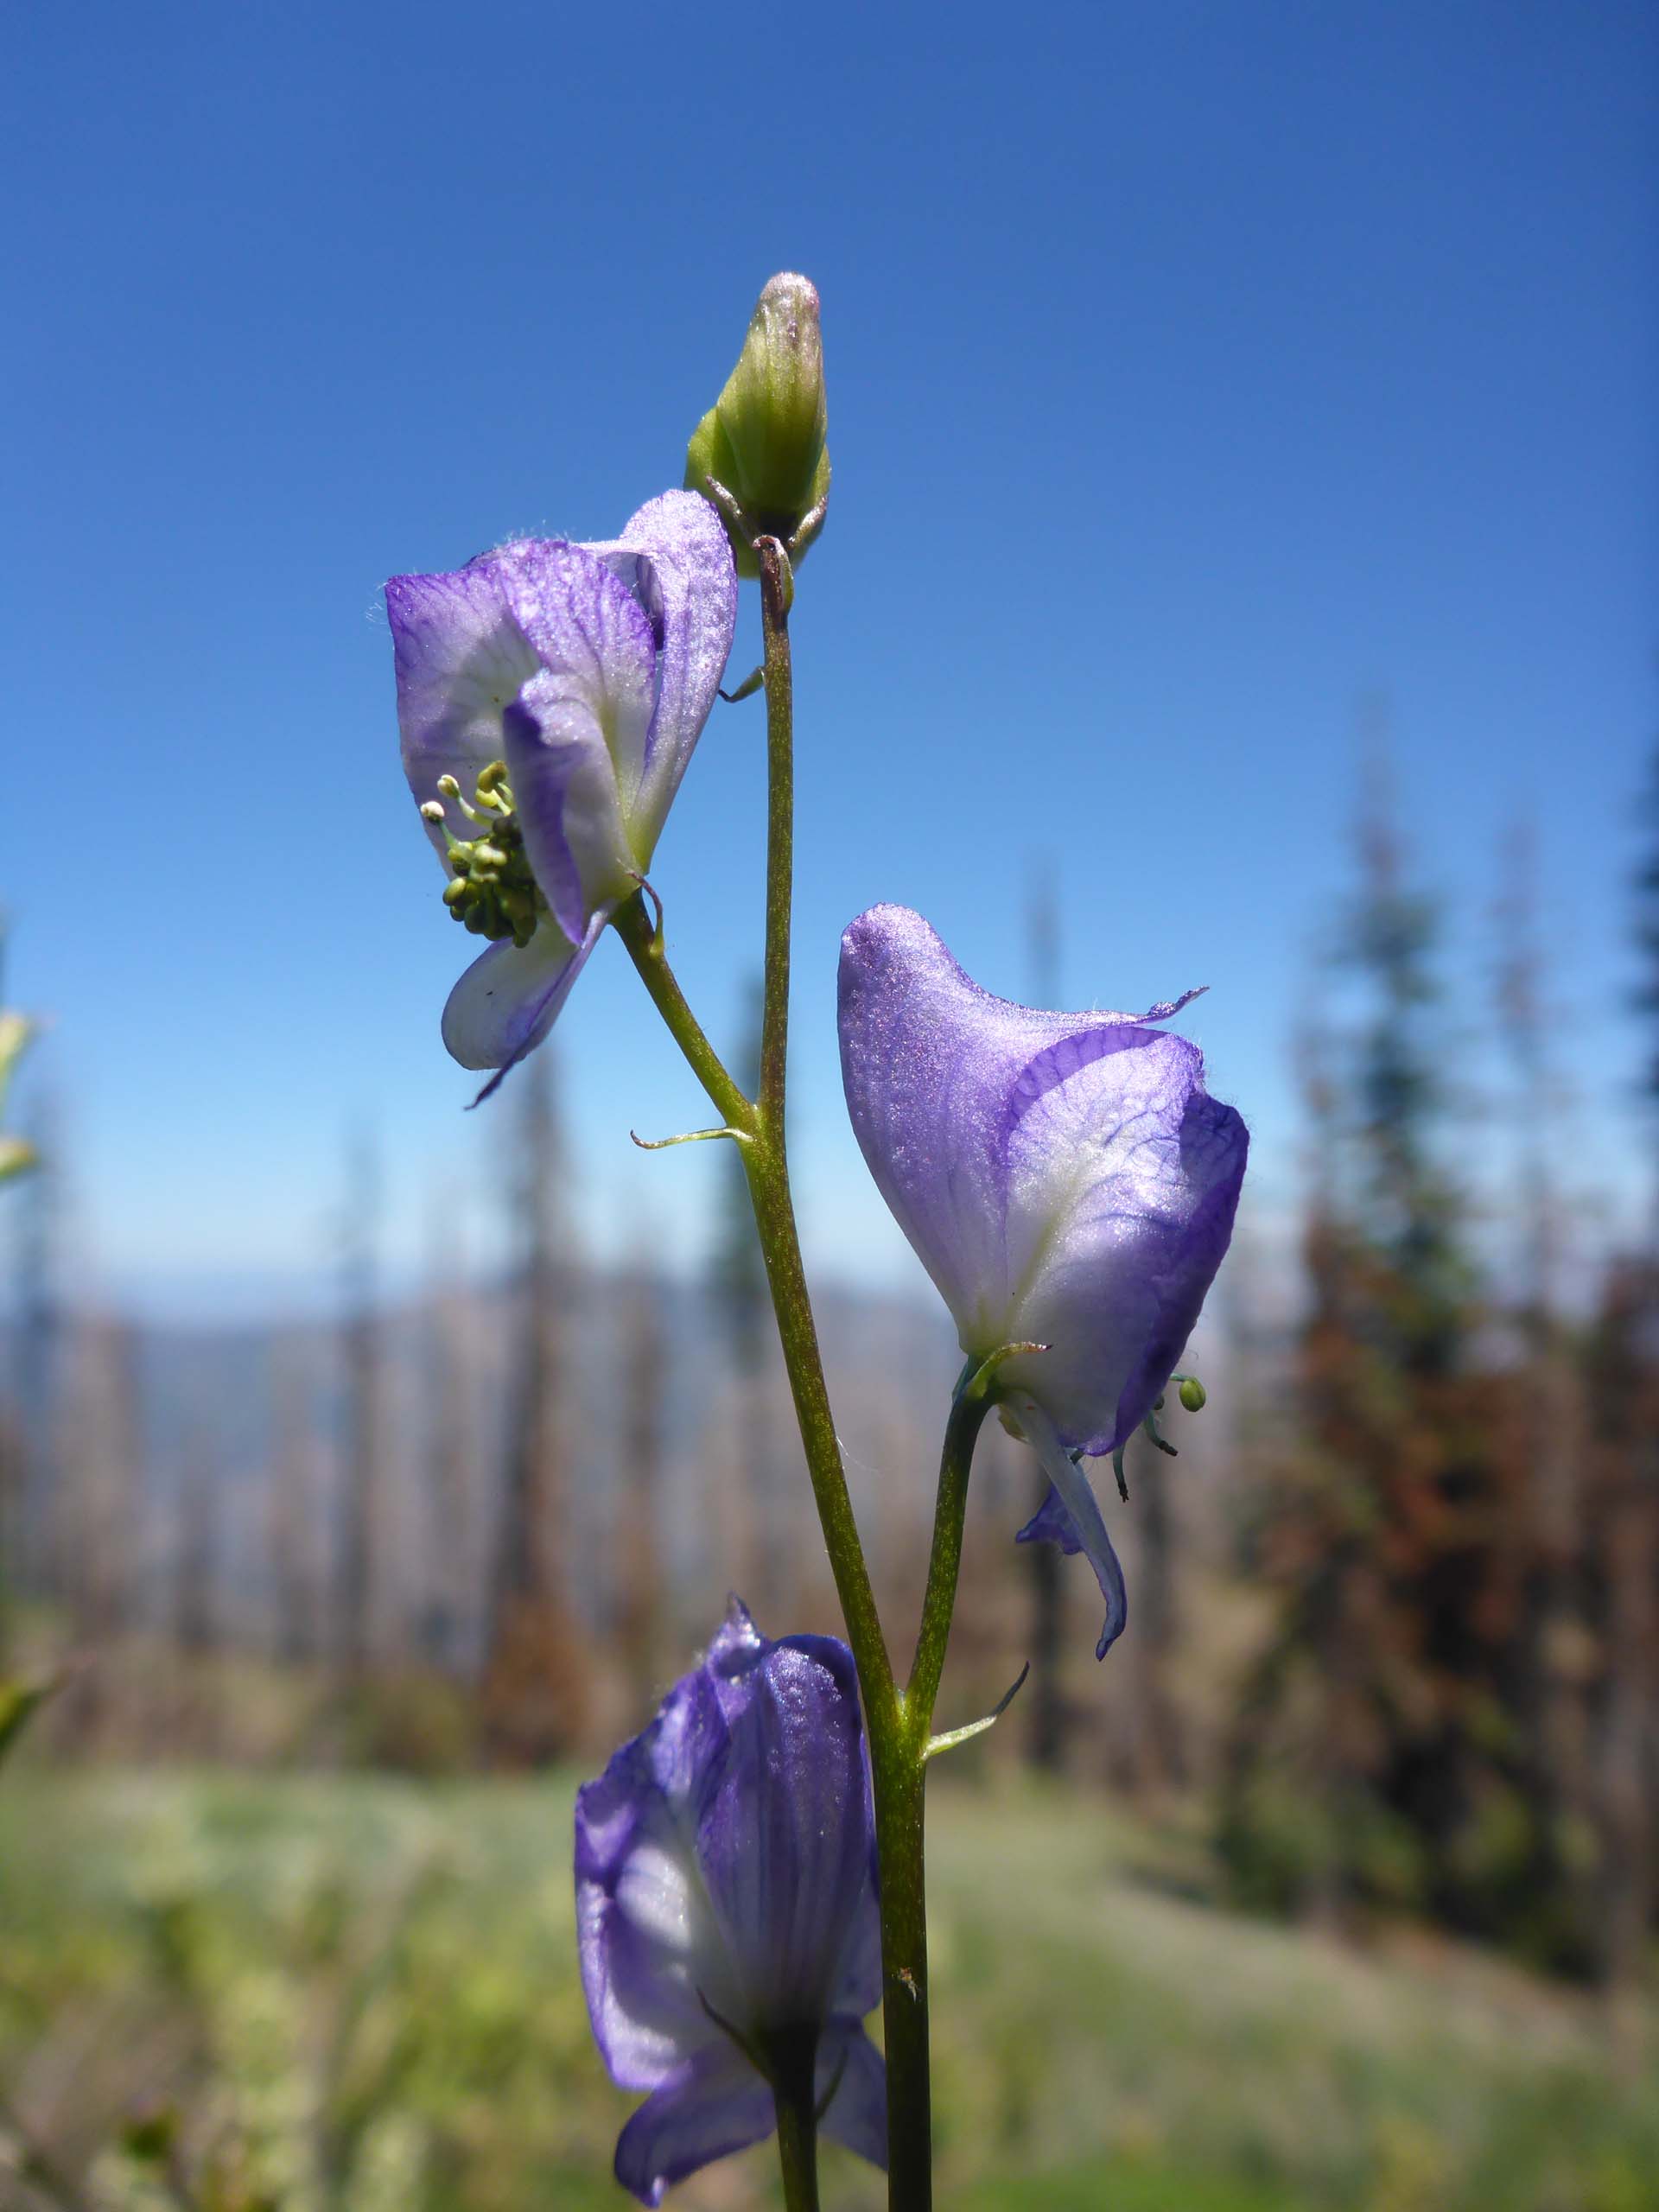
490 889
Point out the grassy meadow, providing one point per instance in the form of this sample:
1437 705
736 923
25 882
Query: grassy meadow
360 1992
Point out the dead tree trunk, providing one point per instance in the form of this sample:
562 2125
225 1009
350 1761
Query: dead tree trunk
636 1541
534 1687
357 1590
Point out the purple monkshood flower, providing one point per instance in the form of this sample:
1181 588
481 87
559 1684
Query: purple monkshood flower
588 670
725 1906
1066 1179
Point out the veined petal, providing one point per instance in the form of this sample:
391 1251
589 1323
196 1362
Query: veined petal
1123 1180
1189 1246
654 1955
565 789
855 1976
461 658
673 555
784 1837
933 1068
719 1860
574 737
713 2105
1070 1516
508 999
857 2113
927 1061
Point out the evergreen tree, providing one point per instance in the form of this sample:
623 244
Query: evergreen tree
1621 1517
1374 1755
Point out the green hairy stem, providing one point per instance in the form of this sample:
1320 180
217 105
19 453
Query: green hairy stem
898 1721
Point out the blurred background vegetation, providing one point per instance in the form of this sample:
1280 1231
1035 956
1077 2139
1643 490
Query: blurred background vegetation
1336 1887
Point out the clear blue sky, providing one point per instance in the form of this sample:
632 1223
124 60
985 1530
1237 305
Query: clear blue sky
1193 369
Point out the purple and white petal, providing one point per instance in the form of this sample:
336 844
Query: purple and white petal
783 1840
713 2104
1122 1178
856 2115
674 556
1070 1516
574 739
504 1004
1066 1180
654 1955
937 1073
460 659
737 1649
1184 1256
928 1059
725 1892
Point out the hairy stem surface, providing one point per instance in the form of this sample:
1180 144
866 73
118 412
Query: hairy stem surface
897 1722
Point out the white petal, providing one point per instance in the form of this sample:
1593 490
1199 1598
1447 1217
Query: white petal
509 998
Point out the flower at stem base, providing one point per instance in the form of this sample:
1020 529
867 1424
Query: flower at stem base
1066 1180
726 1907
549 697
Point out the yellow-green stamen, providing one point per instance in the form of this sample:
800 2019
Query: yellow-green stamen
490 889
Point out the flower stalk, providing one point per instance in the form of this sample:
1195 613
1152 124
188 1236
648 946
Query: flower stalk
777 593
794 2090
766 1169
897 1722
976 1393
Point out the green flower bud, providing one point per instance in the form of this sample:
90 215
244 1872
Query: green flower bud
1193 1394
760 449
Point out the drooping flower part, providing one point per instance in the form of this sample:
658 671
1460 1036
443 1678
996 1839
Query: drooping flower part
1066 1180
549 696
725 1906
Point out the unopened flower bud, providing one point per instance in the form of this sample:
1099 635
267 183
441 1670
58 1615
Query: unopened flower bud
1193 1394
760 447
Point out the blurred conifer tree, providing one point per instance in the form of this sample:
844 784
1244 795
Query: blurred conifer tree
1377 1753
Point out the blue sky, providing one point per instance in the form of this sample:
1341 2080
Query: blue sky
1194 370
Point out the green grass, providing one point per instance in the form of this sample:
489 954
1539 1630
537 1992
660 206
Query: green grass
358 1993
1126 2186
